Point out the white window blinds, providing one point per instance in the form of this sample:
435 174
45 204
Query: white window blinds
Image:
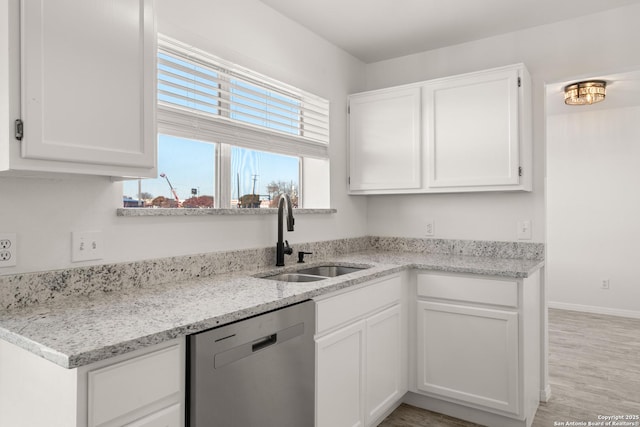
203 97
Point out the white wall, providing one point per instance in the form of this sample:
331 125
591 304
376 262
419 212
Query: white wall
43 212
593 185
587 45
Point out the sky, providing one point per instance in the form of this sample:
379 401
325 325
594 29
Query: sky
190 164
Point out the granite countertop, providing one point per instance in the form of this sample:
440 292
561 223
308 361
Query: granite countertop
85 329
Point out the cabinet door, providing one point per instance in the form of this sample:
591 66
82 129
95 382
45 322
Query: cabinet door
88 83
472 128
168 417
469 354
340 377
384 362
136 388
384 140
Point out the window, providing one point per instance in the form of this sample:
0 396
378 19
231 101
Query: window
229 137
261 177
186 176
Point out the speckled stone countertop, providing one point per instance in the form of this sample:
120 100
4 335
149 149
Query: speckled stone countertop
76 331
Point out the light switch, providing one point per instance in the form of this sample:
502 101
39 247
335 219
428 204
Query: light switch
86 245
524 230
429 231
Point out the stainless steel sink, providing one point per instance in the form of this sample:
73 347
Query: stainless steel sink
295 277
313 274
329 270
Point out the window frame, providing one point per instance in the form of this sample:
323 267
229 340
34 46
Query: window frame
225 132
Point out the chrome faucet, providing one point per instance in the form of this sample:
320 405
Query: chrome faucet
283 248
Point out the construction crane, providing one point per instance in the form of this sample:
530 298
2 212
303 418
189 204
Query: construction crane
173 190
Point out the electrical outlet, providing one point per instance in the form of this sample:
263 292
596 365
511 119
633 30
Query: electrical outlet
86 245
604 284
429 230
8 250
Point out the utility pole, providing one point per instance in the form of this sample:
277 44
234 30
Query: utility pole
253 189
238 175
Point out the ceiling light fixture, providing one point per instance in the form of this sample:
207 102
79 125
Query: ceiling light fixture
585 93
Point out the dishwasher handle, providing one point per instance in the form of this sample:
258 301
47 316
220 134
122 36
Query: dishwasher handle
225 357
264 342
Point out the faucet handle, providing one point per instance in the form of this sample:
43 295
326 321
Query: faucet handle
301 255
287 249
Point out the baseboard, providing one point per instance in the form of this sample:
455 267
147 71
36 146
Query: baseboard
463 412
545 394
386 413
594 309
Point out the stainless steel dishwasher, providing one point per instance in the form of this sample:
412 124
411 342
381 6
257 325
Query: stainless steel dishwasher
258 372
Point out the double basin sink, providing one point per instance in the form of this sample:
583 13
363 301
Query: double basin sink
313 274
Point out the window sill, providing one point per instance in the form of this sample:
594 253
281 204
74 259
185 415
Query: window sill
203 212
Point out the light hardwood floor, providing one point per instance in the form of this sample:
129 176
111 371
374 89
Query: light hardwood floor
594 369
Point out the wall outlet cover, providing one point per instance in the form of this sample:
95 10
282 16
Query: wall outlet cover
8 250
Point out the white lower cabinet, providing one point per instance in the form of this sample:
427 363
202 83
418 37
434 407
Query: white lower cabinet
384 375
361 354
340 377
469 354
167 417
478 347
142 389
475 354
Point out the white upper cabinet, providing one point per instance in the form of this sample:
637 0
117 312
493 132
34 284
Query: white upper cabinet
87 87
472 130
474 135
384 135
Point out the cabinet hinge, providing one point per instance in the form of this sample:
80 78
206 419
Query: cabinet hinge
519 170
19 129
349 180
348 109
519 82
